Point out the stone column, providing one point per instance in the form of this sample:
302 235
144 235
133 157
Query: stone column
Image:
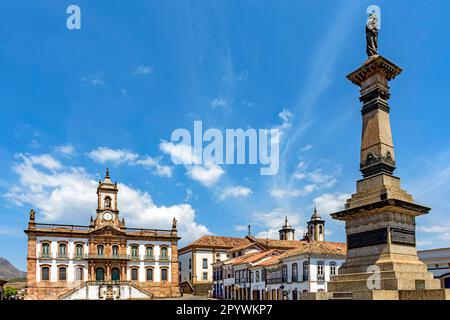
380 216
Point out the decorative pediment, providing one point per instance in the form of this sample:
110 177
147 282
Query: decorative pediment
107 230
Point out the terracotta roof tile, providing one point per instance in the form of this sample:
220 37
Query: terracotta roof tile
218 241
317 247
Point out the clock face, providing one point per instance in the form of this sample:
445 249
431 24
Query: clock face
107 216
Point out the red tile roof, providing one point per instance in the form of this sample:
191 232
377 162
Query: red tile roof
317 247
217 242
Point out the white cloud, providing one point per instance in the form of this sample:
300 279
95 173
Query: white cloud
306 148
180 153
272 221
120 156
434 229
316 180
331 202
243 75
240 228
143 70
68 195
94 80
115 156
235 192
218 102
207 174
286 116
67 149
152 163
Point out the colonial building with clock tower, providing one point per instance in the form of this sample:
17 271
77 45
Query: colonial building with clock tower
104 260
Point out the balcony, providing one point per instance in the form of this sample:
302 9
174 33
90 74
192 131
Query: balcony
149 258
62 256
45 256
164 259
276 280
108 257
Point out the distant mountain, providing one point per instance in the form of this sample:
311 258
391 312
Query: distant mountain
9 271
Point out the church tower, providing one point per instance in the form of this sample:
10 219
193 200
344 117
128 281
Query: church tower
107 210
286 231
316 227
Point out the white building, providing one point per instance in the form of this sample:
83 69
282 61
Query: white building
438 262
260 273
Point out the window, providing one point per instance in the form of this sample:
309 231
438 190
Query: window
257 276
205 263
134 251
305 271
79 250
163 252
45 250
62 250
149 274
115 250
149 252
218 256
284 271
62 274
164 274
107 202
100 250
100 274
190 263
134 274
263 275
332 268
79 274
115 274
205 276
294 272
45 273
320 274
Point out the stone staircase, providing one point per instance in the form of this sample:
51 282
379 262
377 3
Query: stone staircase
94 290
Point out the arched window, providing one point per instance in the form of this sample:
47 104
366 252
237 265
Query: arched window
78 250
164 252
62 274
320 273
134 251
311 232
100 274
294 272
115 274
257 276
62 250
149 274
134 274
45 273
45 250
149 252
332 268
284 273
305 271
164 273
79 274
107 202
320 229
100 250
115 250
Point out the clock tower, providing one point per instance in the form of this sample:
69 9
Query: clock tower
107 212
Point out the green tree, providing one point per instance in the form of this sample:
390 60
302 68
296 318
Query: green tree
9 292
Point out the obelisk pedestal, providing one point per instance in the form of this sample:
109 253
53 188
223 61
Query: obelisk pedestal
380 217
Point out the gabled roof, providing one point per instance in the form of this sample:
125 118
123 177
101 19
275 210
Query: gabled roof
268 262
317 247
280 244
217 242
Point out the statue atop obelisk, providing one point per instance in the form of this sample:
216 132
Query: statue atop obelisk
372 35
380 217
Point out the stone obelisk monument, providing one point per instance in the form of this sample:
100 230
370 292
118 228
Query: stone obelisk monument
380 224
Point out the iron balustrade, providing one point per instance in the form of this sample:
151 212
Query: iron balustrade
276 280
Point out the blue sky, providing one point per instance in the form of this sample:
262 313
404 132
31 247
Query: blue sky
73 102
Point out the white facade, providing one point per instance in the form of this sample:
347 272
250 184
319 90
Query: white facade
204 258
54 260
